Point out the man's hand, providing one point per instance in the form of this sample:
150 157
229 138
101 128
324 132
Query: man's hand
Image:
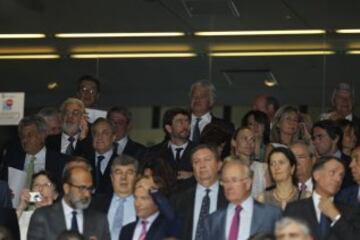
84 129
328 208
184 175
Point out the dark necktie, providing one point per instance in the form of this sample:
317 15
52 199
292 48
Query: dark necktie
235 224
196 131
204 211
98 169
70 148
178 154
74 224
324 226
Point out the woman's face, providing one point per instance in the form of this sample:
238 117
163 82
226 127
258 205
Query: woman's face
280 167
256 127
349 138
244 143
289 123
47 190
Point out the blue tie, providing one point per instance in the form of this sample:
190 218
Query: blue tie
196 131
74 225
98 170
324 226
118 219
204 211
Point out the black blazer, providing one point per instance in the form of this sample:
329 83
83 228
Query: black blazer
54 162
348 178
5 195
184 203
349 196
347 227
104 186
53 142
134 149
101 202
8 219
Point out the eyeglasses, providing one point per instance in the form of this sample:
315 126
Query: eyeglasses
232 180
75 113
83 188
88 90
42 186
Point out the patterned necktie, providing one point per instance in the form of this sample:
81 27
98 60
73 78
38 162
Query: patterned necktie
98 169
30 171
235 224
204 211
324 226
70 148
196 131
143 230
74 224
178 154
118 219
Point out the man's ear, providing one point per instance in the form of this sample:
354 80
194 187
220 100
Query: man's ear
168 128
66 188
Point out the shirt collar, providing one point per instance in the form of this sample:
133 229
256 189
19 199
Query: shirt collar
213 187
123 141
174 147
67 209
65 137
349 117
107 154
206 116
127 198
40 155
150 219
245 205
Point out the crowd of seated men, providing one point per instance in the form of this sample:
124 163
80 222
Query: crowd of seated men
279 175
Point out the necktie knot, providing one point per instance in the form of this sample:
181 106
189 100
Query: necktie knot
100 158
74 213
198 120
302 187
178 150
71 139
208 190
238 209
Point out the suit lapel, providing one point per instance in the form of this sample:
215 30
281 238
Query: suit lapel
221 200
310 214
58 216
257 218
153 232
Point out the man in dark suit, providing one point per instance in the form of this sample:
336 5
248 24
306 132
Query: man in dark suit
350 195
119 206
120 117
243 216
156 219
326 136
75 137
202 99
72 212
176 148
5 195
326 219
100 159
32 156
194 204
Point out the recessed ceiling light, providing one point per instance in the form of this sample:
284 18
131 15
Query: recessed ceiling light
261 32
22 35
119 35
347 31
29 56
269 53
133 55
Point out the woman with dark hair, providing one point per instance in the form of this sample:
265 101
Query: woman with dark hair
350 136
282 169
217 135
43 192
259 123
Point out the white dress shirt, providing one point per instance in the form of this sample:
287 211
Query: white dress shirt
68 216
245 218
200 193
39 163
122 144
65 141
316 200
174 147
107 155
205 120
138 229
129 210
309 185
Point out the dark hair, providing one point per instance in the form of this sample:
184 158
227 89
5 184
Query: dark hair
344 123
47 174
210 147
289 155
90 79
331 128
270 100
102 120
120 109
259 117
320 162
216 135
170 114
70 235
125 160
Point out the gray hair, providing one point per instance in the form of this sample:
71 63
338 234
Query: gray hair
310 150
205 84
104 120
124 160
120 109
48 112
38 121
342 87
73 101
286 221
233 159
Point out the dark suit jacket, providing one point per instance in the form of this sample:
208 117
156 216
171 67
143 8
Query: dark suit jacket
263 220
54 162
165 225
134 149
53 142
347 227
9 220
5 195
104 186
48 222
230 128
349 196
348 178
184 203
101 202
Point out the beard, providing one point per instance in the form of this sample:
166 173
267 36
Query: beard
70 128
78 203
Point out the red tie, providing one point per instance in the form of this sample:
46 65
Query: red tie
143 230
235 224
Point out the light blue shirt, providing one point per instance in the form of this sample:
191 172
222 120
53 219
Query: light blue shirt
200 193
129 210
245 218
105 161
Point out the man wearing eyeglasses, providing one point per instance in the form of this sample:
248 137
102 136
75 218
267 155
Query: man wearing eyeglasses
243 217
88 90
72 212
75 137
